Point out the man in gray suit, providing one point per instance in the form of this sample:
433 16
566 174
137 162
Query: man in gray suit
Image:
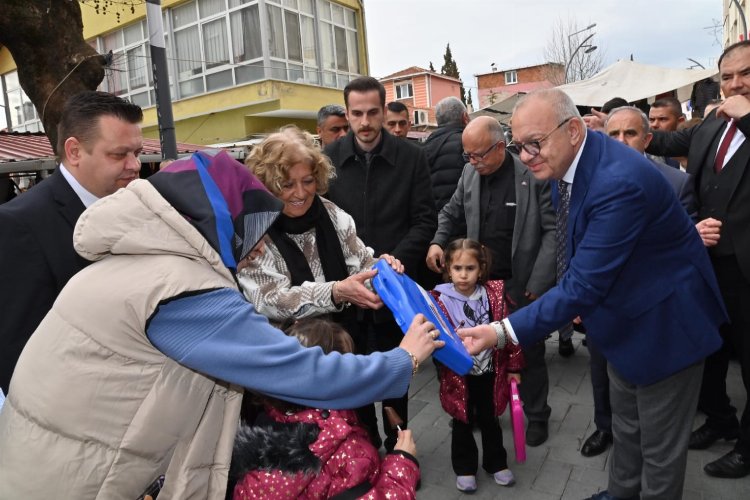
509 211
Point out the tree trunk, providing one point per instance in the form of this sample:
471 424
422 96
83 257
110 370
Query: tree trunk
45 38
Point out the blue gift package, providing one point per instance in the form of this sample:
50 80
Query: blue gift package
405 298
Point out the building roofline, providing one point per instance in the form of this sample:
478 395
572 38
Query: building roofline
520 67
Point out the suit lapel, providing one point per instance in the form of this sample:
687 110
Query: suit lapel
713 130
473 206
522 201
68 203
581 181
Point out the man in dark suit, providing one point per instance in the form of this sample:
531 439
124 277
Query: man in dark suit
639 278
718 155
504 207
99 140
628 125
383 182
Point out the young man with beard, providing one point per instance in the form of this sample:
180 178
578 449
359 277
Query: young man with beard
384 184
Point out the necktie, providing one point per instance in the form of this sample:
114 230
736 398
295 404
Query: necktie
724 147
561 227
561 235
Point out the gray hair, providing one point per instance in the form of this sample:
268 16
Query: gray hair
632 109
560 104
449 110
330 110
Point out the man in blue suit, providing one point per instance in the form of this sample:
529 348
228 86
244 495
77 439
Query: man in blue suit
639 278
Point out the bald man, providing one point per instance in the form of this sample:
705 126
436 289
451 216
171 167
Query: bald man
639 278
506 209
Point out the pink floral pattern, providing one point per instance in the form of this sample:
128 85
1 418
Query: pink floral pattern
348 459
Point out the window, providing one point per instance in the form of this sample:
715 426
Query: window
337 27
511 77
23 115
130 74
404 90
291 40
215 44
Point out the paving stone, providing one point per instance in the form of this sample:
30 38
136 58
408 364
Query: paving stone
556 469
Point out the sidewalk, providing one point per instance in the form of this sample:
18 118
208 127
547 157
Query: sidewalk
556 469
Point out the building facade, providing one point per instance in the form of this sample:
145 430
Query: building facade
236 67
420 90
735 26
496 86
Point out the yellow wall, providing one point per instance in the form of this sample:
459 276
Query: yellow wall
227 115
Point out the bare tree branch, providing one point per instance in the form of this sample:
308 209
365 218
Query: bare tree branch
569 50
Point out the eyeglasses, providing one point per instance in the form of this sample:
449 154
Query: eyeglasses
534 147
477 158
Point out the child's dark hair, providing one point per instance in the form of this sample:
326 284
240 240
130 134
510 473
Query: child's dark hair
323 333
481 253
310 332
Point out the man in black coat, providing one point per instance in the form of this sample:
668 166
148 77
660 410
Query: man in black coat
99 143
383 182
444 149
718 153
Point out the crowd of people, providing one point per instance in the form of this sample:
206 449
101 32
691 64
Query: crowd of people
139 311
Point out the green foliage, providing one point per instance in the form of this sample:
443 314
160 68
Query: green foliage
450 68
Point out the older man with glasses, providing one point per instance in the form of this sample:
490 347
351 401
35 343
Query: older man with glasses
498 203
640 279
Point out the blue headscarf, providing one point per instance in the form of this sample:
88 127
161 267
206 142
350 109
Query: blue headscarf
218 195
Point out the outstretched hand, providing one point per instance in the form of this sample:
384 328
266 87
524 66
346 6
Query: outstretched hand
478 338
353 290
595 120
420 338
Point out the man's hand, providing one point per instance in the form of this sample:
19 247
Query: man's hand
435 258
478 338
353 290
709 231
595 121
734 107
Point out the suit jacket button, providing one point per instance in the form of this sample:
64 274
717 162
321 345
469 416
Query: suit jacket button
325 414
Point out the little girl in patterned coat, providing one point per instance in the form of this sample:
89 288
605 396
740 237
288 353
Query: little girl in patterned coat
481 396
309 453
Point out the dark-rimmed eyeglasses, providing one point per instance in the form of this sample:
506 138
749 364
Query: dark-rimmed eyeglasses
479 157
534 147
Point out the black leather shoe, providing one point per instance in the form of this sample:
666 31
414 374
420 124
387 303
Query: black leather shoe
731 465
604 495
536 433
596 444
704 436
565 348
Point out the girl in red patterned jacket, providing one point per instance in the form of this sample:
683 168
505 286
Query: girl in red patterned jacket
293 452
481 396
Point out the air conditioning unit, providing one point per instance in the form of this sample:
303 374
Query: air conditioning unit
420 117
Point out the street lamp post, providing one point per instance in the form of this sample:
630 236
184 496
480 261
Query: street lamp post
742 18
589 48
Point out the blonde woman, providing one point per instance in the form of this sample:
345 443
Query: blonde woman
314 263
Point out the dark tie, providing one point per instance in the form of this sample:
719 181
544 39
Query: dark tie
561 234
724 147
561 228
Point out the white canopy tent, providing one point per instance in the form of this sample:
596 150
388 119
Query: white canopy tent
634 81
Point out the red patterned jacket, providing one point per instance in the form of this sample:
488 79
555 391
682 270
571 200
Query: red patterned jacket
453 393
338 459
